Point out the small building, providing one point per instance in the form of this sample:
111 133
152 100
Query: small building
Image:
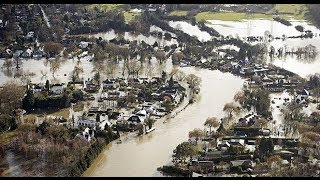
243 164
83 44
86 122
57 88
301 96
110 84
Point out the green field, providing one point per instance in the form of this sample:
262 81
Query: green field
298 11
230 16
285 11
178 13
107 7
128 16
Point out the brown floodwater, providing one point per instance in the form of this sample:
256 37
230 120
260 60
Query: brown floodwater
141 156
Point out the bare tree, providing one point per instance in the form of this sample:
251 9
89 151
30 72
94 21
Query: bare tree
55 66
11 96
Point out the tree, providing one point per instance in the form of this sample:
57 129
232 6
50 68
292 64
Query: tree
183 150
171 82
11 96
193 81
55 66
212 122
96 77
265 147
150 122
47 85
196 133
7 122
316 93
53 48
28 100
98 117
262 103
230 108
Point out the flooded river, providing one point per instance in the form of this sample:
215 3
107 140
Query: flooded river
141 156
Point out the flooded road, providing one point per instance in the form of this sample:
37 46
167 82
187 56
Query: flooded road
141 156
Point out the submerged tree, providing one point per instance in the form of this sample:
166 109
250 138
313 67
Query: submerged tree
212 122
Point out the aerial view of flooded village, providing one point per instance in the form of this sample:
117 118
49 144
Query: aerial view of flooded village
159 90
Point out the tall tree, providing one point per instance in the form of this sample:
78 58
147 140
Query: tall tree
212 122
28 100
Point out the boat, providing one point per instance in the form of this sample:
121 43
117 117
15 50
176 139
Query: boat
150 130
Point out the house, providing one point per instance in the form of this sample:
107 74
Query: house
301 96
27 53
243 164
110 84
83 44
201 166
38 54
236 142
223 145
86 122
17 53
139 117
265 81
274 87
57 88
87 134
91 86
134 81
38 87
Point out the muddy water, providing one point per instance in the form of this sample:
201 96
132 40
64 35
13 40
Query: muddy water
141 156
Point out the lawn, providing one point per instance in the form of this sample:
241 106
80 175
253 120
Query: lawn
128 16
178 13
62 112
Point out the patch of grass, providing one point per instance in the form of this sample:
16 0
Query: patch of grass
62 112
230 16
30 117
78 107
6 137
296 11
178 13
128 16
106 7
285 11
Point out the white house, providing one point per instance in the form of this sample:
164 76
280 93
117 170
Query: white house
57 88
139 117
87 134
83 44
86 123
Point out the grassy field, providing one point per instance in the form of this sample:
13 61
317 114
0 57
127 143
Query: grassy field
106 7
62 112
298 11
178 13
128 16
285 11
230 16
